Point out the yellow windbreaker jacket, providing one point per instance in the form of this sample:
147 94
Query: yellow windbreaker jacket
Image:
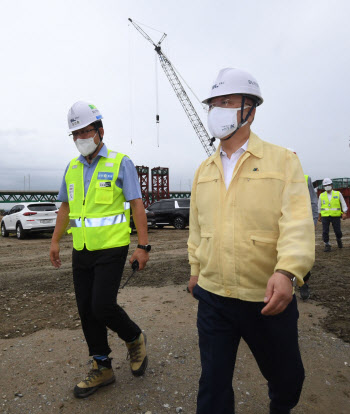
263 222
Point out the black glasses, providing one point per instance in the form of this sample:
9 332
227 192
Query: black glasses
75 134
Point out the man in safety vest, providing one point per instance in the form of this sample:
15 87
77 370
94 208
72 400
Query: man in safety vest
97 191
331 206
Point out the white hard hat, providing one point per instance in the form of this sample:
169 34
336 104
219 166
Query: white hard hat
82 114
235 81
327 181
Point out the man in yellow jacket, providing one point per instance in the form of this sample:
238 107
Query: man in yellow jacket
251 240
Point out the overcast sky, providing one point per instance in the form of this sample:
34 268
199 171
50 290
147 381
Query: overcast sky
54 53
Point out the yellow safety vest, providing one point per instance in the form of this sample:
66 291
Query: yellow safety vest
330 208
306 178
102 219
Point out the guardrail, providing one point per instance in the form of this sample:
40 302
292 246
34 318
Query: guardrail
10 196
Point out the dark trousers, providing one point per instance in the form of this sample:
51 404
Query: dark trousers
273 340
307 277
96 276
336 227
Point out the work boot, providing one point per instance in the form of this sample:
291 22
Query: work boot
327 247
97 377
305 291
274 411
340 243
138 355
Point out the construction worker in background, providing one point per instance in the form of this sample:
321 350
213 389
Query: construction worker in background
251 239
305 289
97 190
331 207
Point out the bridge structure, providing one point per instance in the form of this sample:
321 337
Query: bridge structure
11 196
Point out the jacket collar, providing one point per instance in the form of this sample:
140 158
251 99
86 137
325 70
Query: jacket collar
255 147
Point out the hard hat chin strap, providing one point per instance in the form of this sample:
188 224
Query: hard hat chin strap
243 121
90 156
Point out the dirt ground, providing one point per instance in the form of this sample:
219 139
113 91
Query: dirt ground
43 352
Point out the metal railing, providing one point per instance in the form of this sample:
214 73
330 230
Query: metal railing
10 196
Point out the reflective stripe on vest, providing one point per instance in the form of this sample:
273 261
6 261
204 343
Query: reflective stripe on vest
330 208
97 222
75 222
101 220
105 221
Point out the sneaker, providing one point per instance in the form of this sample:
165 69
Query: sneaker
305 291
138 355
97 377
340 243
327 247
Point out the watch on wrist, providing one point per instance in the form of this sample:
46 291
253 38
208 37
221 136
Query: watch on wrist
290 276
146 247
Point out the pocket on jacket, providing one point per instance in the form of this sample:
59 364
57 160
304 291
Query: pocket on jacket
103 195
208 200
262 239
257 260
207 256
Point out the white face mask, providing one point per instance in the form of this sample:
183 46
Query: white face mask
86 146
223 121
328 187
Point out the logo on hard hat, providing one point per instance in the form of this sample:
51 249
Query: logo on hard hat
217 85
253 83
75 121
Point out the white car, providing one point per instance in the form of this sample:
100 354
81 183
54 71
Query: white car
29 217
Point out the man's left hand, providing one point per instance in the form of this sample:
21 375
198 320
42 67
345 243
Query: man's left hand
279 293
141 256
344 216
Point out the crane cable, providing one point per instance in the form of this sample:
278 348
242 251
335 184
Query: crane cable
157 97
200 102
130 85
156 85
159 31
148 27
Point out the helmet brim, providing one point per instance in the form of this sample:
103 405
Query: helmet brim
258 99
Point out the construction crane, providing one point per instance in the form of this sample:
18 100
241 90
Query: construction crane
191 113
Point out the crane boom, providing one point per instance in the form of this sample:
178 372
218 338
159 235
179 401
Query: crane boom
180 93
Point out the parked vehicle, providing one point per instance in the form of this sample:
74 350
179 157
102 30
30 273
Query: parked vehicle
171 212
150 221
26 218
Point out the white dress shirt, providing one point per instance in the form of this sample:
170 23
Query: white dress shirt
228 164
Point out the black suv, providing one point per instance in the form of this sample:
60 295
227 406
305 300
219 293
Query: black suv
174 212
